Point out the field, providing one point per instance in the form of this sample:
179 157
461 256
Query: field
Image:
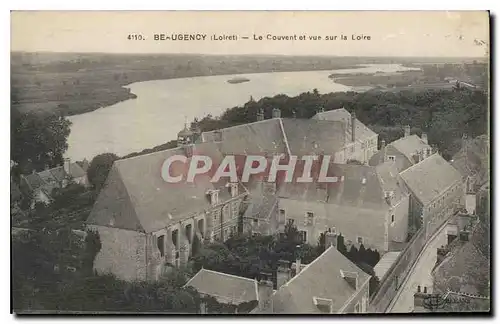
431 76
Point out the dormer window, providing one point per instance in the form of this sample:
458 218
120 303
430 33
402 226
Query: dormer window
351 278
214 196
325 305
233 189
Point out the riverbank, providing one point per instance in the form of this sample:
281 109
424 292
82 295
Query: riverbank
74 84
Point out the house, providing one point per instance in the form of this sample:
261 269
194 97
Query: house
466 267
331 284
437 192
360 141
146 224
363 195
404 152
39 185
472 161
323 134
228 289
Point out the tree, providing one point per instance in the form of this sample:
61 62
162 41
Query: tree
38 139
99 169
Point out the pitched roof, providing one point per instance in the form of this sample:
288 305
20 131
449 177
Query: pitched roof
76 171
226 288
310 136
261 137
284 135
429 178
359 186
322 279
407 146
464 271
362 132
136 197
34 181
58 173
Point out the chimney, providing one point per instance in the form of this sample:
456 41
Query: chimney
67 163
260 115
330 239
233 189
424 138
353 126
384 151
351 278
265 293
407 130
464 236
283 273
419 300
276 113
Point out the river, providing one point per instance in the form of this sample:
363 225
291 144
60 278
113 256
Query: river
162 107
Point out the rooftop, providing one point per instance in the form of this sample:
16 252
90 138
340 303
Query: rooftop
226 288
430 178
322 278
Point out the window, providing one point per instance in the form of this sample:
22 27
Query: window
359 239
391 158
303 236
255 222
160 242
392 220
352 149
309 218
282 215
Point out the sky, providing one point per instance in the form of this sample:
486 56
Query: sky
404 33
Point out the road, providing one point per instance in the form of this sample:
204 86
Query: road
420 274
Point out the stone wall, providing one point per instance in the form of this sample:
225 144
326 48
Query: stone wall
395 276
123 253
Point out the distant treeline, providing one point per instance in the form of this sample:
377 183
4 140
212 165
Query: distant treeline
443 114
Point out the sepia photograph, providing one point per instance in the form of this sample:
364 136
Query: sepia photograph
250 163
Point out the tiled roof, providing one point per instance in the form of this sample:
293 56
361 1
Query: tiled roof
137 197
409 145
262 137
76 171
430 178
404 149
359 186
310 136
226 288
362 132
463 271
284 135
322 279
34 181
